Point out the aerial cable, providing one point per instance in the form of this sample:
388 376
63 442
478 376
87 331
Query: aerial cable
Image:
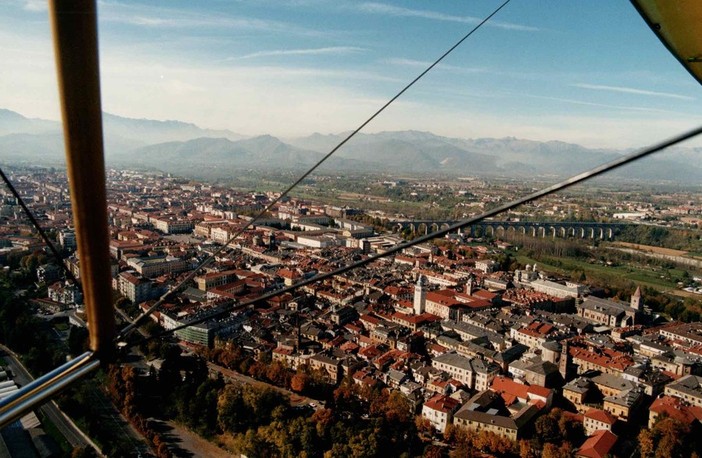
37 226
584 176
209 259
74 26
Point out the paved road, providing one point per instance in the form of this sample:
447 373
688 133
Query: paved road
73 435
128 320
117 422
71 314
184 443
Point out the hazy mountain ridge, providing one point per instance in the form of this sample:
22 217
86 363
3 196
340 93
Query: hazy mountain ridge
14 123
406 150
180 147
126 132
258 152
150 131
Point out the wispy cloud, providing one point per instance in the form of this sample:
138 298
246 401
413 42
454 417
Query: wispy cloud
307 73
148 21
331 50
236 23
391 10
407 62
170 18
424 64
631 90
601 105
36 6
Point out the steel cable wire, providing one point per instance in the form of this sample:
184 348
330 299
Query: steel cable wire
59 258
584 176
240 231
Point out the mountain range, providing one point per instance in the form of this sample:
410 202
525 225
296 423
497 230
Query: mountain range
186 149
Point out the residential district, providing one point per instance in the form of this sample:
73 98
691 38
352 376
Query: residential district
450 327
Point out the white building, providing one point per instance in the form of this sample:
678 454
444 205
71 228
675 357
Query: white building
474 373
439 411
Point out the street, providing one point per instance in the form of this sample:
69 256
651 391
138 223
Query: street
73 435
118 424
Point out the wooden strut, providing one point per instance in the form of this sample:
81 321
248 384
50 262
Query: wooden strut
74 26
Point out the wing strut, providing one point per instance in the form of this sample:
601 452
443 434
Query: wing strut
677 24
74 24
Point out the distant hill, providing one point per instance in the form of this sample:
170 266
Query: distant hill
42 139
407 151
229 156
185 148
149 131
35 149
15 123
427 152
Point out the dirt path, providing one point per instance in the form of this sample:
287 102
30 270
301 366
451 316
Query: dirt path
681 293
296 400
184 443
652 249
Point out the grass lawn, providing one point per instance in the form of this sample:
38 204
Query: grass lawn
641 275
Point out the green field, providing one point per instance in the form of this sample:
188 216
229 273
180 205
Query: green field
640 275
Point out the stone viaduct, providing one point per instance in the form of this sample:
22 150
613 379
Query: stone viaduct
564 229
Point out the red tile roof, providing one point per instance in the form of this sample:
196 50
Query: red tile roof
573 416
405 304
675 408
540 391
601 416
349 347
483 294
603 357
437 349
442 403
511 390
442 298
287 273
598 445
370 352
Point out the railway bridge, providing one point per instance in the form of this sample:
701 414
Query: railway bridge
563 229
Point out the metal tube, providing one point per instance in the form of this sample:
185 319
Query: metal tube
40 390
74 25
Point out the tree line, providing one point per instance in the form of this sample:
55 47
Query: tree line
258 420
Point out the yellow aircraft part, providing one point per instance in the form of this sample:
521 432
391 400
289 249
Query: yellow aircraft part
678 24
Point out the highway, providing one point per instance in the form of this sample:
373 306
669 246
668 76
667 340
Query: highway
73 435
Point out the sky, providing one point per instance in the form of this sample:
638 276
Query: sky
590 72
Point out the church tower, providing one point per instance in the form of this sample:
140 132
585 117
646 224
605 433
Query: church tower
564 362
420 295
637 300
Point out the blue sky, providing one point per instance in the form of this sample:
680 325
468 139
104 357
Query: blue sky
583 72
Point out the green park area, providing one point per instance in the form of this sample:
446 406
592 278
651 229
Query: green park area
659 278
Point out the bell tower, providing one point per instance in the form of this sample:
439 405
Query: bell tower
469 286
564 362
637 300
420 295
